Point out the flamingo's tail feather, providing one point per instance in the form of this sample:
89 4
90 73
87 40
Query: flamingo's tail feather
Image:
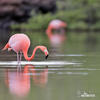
6 47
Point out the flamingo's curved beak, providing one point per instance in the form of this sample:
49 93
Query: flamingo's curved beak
46 56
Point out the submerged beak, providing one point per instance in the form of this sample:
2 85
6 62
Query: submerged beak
46 56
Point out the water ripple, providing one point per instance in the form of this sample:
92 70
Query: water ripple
11 63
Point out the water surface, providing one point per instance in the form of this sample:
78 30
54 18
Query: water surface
71 72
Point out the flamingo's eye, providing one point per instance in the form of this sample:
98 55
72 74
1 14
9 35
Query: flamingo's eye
45 50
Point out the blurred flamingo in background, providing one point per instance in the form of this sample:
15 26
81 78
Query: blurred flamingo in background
55 31
20 43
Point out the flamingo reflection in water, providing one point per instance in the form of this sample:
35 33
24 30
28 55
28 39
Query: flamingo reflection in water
19 82
40 78
56 32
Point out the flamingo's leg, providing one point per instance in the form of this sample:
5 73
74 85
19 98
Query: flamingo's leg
20 56
18 59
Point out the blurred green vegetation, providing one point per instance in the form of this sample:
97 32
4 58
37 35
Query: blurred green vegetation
78 14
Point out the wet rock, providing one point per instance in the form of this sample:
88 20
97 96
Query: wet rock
12 11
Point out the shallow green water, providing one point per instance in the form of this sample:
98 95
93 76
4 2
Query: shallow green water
70 73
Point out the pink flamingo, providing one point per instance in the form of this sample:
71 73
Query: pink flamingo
55 24
59 35
20 43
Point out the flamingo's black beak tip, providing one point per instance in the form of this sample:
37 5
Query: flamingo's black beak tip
46 56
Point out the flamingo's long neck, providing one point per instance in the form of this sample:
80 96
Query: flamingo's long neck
33 54
49 32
